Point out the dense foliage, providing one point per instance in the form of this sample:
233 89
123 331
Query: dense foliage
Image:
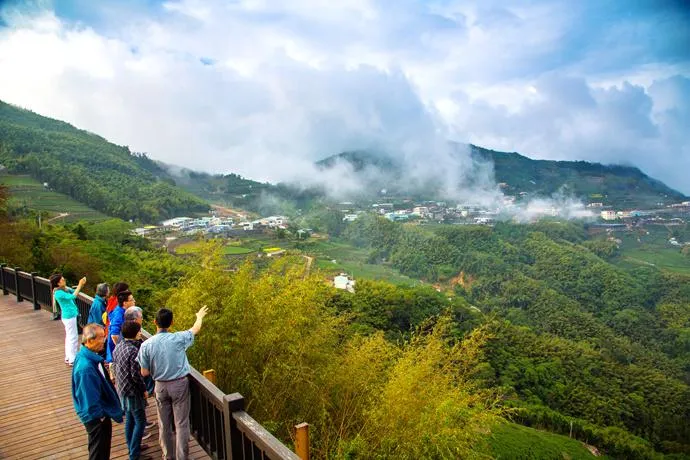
582 340
103 252
297 353
91 170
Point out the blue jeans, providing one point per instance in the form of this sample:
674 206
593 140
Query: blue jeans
135 421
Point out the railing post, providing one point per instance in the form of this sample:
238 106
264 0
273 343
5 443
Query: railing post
233 438
16 284
210 375
2 279
302 440
37 306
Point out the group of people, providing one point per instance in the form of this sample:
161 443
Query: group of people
115 371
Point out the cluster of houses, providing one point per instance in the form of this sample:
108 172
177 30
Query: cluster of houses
611 215
212 225
439 211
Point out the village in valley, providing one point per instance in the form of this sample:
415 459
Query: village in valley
243 233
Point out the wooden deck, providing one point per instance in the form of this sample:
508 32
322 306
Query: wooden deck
37 418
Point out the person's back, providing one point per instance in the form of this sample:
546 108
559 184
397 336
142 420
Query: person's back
131 386
166 354
98 306
93 395
116 319
164 357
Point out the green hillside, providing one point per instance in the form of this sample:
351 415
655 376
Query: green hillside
89 169
509 441
27 194
620 186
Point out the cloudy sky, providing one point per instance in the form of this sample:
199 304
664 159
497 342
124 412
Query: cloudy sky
263 87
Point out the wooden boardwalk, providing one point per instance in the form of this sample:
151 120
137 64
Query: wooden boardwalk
37 418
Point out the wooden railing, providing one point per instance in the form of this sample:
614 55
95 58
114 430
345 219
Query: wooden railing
217 420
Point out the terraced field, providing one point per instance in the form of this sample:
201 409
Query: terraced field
28 193
653 249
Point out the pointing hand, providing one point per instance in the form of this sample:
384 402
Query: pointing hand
201 313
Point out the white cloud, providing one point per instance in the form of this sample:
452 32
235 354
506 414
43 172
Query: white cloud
294 82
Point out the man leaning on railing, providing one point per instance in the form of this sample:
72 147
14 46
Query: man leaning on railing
164 357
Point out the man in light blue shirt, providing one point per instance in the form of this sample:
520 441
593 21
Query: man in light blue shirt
164 357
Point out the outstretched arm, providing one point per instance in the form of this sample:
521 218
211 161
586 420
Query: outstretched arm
199 319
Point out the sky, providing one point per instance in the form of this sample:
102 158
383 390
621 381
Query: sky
264 88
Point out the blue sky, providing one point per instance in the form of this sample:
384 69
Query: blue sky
263 87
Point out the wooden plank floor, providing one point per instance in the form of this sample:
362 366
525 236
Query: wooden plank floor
37 418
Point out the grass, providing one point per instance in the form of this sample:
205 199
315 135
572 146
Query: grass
517 442
366 271
26 192
652 249
353 261
236 250
194 247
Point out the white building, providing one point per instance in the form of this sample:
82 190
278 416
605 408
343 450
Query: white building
177 222
608 215
343 281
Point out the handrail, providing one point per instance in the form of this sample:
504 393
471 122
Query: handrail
218 421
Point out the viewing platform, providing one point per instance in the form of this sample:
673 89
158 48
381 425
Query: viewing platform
37 416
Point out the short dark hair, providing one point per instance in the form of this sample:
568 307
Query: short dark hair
123 296
164 318
120 287
55 280
130 329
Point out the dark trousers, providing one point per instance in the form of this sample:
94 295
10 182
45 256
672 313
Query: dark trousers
100 436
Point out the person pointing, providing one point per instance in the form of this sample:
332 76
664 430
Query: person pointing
164 357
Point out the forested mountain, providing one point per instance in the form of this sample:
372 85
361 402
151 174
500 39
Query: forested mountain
104 176
616 185
620 186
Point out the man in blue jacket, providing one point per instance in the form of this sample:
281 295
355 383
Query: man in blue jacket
98 305
94 396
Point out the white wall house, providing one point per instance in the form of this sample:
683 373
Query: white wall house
343 281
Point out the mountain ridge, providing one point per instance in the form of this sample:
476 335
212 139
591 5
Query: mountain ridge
614 185
67 157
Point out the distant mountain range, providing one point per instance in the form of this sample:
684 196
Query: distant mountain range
613 185
118 182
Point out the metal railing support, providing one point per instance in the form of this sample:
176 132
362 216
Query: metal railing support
37 306
2 279
16 284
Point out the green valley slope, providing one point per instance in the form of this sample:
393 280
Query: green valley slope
104 176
